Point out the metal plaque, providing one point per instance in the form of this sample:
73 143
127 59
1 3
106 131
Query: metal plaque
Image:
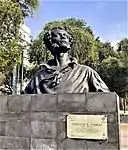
87 127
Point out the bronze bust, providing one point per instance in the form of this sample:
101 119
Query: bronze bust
63 74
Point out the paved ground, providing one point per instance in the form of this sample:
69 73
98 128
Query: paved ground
124 136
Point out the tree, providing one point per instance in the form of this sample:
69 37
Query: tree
88 50
123 45
27 6
123 51
83 37
113 68
38 52
105 50
115 75
8 59
10 20
123 56
12 15
82 49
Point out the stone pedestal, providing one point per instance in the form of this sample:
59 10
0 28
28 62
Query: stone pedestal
37 122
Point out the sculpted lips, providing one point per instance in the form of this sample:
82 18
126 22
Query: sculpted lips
63 41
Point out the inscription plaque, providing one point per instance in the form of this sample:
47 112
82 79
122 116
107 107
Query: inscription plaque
87 127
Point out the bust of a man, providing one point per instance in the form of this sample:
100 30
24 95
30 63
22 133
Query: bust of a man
63 74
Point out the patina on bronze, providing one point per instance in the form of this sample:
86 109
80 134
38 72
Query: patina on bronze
63 74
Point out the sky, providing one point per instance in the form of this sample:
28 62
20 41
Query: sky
107 18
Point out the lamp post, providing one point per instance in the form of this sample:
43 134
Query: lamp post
14 80
22 70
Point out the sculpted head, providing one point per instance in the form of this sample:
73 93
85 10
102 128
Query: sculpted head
58 40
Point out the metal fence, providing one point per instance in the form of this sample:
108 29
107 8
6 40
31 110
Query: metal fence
124 104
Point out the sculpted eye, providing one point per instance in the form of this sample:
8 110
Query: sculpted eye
65 35
55 35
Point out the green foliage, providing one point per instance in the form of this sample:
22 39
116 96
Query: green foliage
1 78
110 64
37 52
83 47
105 50
82 35
12 13
10 19
123 45
123 51
9 56
27 6
115 75
113 67
28 72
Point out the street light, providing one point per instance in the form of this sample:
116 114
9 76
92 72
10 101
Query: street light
22 70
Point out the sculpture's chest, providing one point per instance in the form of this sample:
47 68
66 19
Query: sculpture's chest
71 81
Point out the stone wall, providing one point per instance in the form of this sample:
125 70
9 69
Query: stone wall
124 118
37 122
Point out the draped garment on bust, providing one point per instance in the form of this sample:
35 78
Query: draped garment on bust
73 78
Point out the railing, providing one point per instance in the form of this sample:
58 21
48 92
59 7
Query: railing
124 105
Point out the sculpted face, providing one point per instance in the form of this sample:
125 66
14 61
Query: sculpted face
60 40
